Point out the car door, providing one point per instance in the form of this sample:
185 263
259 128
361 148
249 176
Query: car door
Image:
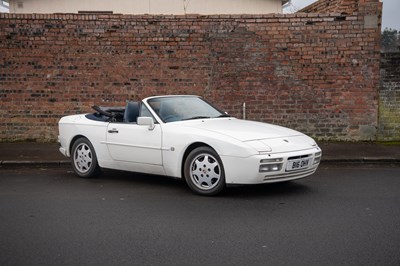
129 142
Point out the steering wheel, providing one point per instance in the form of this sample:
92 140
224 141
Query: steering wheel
170 118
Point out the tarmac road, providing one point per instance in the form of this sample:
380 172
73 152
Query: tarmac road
339 216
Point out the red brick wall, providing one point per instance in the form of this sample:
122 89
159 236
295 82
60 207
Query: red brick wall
317 73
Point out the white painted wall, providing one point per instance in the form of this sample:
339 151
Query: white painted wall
176 7
3 6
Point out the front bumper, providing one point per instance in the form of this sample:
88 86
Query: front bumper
247 170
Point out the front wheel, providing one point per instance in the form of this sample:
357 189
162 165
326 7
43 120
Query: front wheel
84 160
204 172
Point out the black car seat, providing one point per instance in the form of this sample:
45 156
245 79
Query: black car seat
131 112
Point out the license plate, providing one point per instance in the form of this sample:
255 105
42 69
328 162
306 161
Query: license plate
298 164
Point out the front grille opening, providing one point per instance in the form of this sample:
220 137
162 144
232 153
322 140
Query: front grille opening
299 157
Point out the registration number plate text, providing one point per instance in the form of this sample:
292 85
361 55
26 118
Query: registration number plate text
298 164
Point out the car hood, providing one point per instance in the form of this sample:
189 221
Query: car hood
242 130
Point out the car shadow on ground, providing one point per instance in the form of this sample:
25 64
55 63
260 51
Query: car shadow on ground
290 188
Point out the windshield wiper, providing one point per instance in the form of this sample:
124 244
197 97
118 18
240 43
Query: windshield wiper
223 115
196 117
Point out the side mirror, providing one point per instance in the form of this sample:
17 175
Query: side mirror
146 121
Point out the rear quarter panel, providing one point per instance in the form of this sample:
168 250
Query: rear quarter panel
75 126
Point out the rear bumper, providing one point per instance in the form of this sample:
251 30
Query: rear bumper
63 150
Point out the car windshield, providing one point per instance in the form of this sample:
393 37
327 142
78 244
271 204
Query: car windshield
171 109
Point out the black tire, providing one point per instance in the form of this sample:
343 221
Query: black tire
84 159
204 172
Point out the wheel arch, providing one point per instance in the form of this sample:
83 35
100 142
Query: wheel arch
188 150
73 140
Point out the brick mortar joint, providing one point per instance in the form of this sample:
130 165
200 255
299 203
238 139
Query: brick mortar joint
169 18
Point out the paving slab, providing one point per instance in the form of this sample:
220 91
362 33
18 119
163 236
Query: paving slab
48 153
31 153
360 151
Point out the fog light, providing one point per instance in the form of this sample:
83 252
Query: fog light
264 168
275 168
270 167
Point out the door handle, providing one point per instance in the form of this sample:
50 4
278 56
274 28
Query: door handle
113 130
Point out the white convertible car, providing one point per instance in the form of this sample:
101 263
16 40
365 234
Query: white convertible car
186 137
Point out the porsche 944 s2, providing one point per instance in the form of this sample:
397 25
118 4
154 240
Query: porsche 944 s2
186 137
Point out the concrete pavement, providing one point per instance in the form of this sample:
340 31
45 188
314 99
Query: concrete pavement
28 153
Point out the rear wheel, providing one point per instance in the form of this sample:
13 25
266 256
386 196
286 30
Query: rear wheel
84 160
204 172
